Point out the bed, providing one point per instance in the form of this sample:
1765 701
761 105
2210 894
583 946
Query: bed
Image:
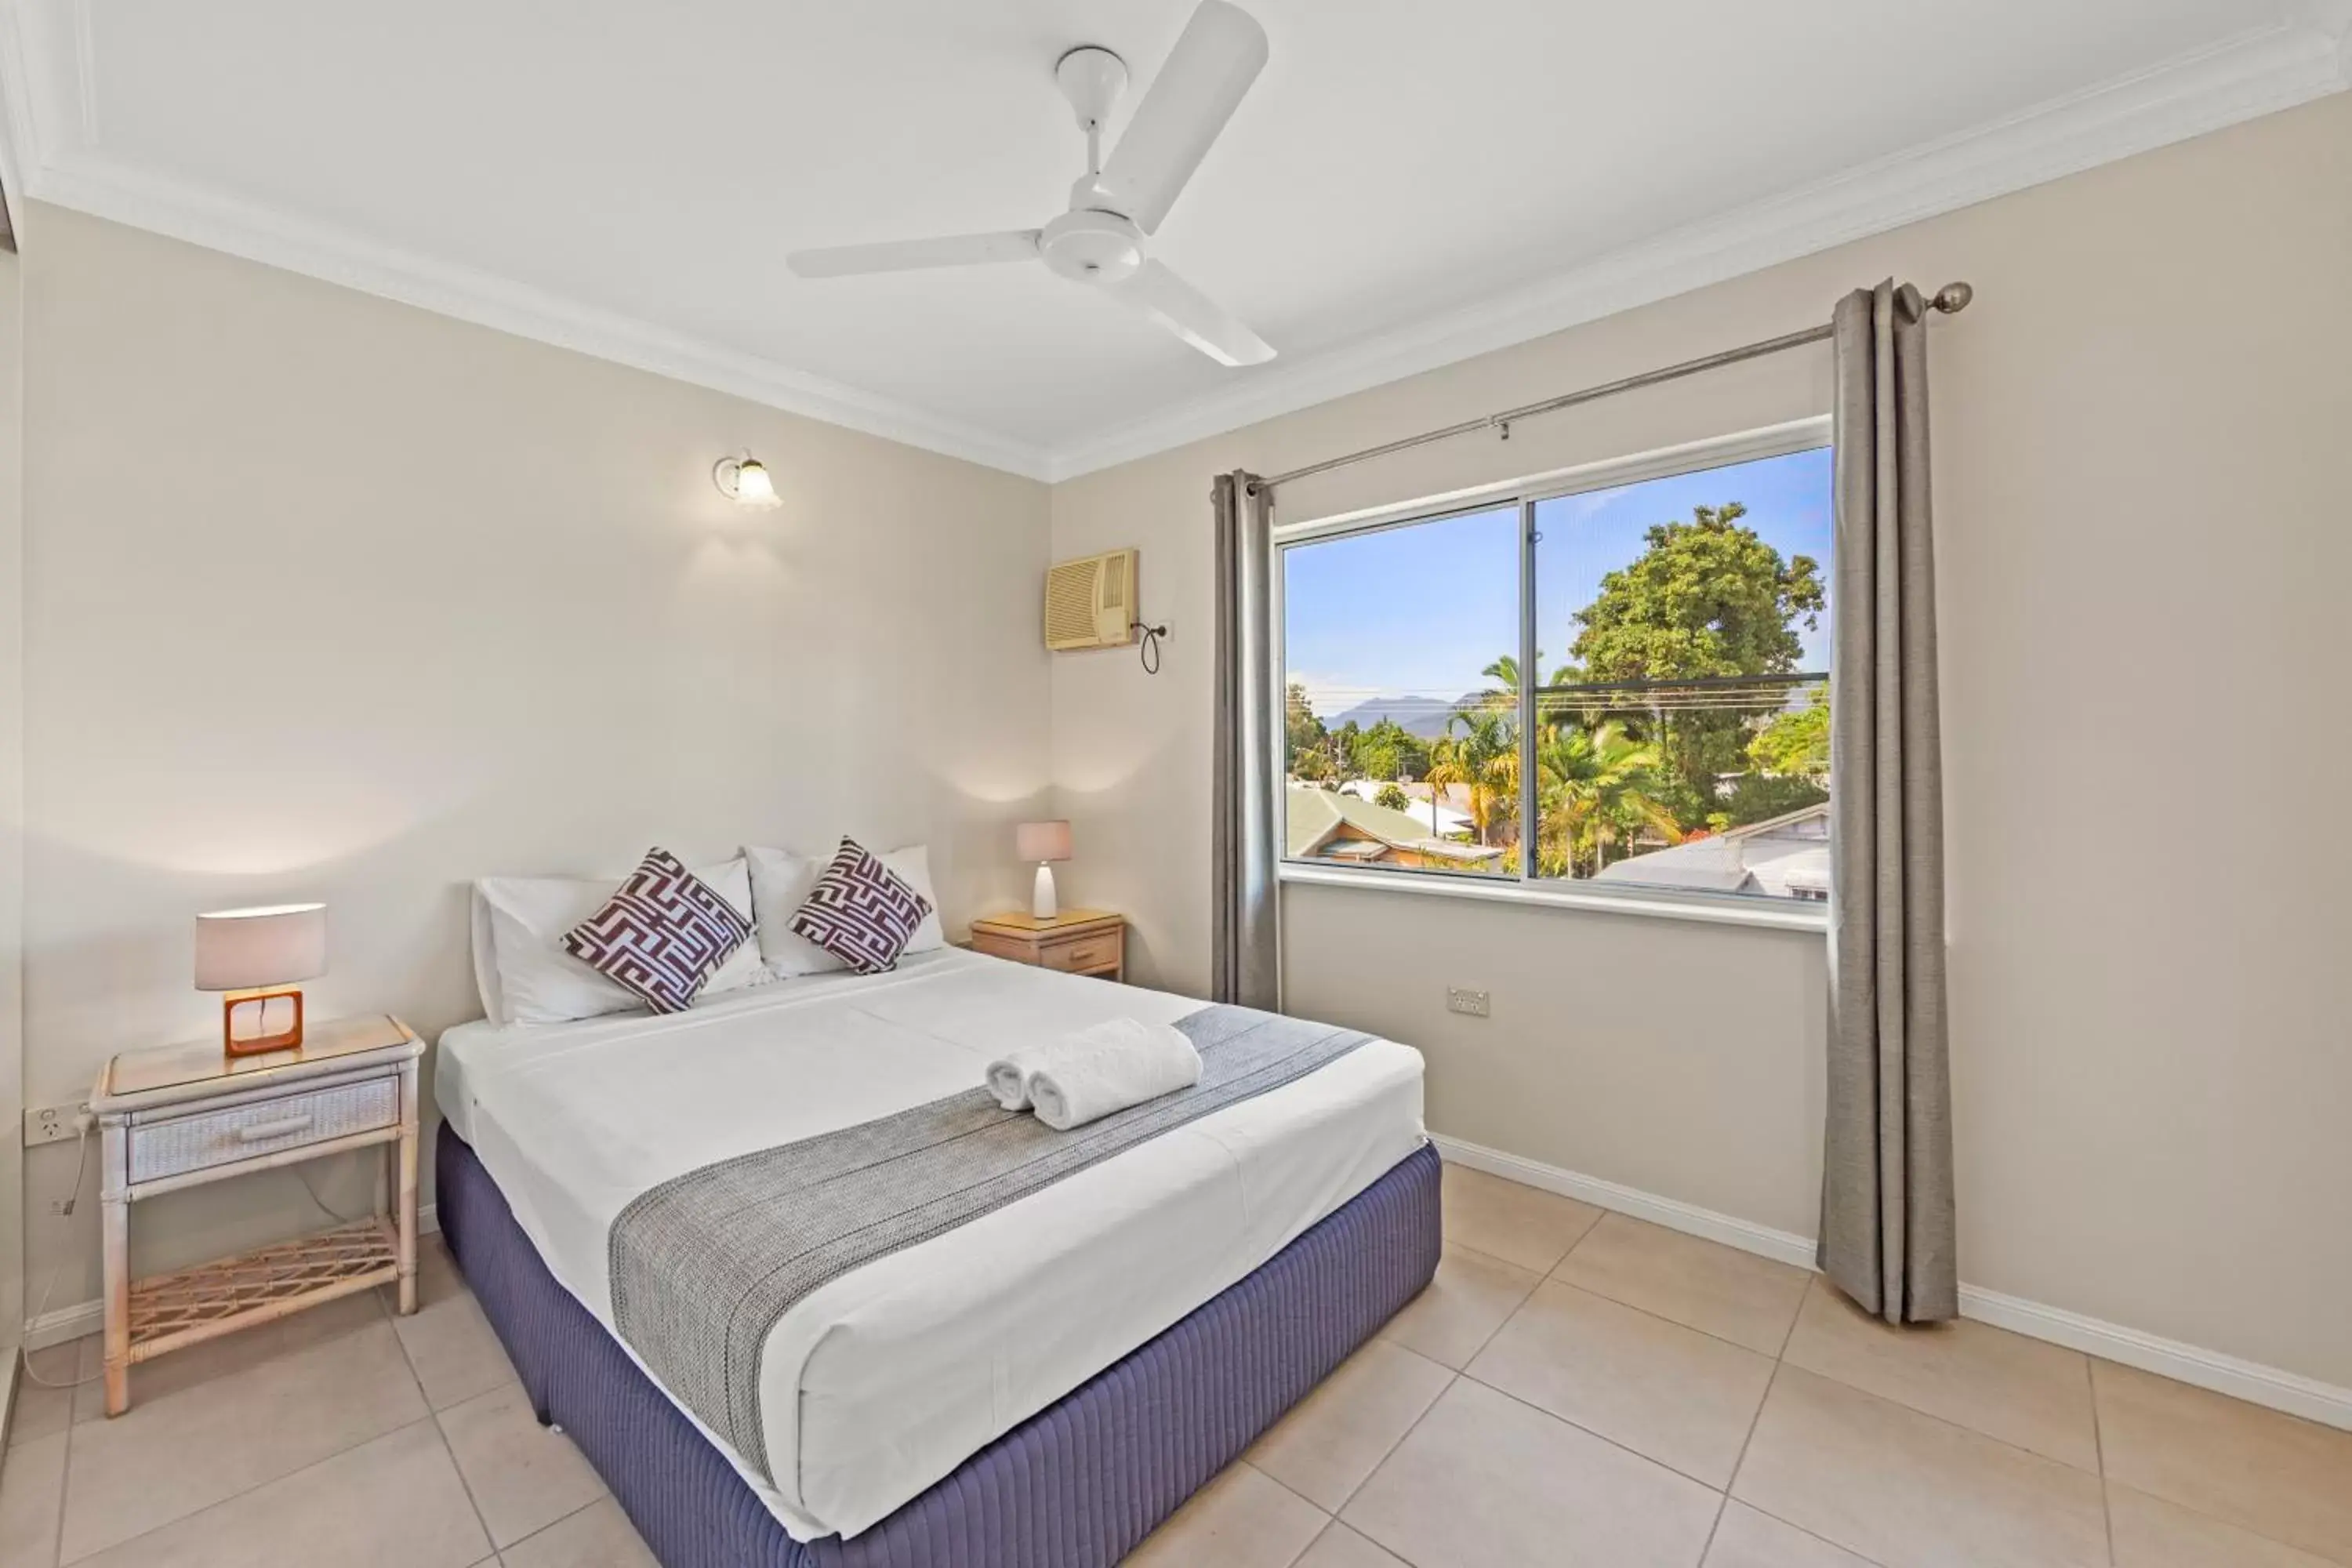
1039 1385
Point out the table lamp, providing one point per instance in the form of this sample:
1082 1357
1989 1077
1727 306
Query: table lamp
1044 842
256 955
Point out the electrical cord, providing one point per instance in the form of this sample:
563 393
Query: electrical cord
81 1169
1149 644
321 1204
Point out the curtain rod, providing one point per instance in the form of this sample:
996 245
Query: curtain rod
1951 300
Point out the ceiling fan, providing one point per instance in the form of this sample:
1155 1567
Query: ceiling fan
1100 241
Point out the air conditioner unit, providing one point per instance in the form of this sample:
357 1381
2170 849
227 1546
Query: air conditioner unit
1091 602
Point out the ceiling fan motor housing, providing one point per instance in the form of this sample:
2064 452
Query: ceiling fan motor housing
1092 246
1091 78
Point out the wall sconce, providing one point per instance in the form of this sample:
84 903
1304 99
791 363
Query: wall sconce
744 480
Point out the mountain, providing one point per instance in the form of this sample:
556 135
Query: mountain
1421 716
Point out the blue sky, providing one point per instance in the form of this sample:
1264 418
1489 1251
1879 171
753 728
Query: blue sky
1423 610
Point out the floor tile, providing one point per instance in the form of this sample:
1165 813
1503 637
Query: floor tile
1331 1439
1732 1295
1340 1547
1672 1393
170 1457
395 1503
32 1497
598 1536
2026 1391
39 1409
1242 1518
1469 1300
2149 1532
523 1476
2277 1475
1907 1489
1485 1481
1518 1224
231 1353
451 1344
1746 1539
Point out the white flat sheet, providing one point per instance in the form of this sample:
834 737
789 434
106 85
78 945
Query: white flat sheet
881 1383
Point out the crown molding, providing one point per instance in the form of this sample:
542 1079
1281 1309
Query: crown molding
101 188
49 152
2252 74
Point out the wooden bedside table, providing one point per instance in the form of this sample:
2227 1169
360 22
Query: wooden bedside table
186 1115
1075 942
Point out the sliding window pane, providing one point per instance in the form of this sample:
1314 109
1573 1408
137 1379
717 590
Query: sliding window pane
1682 736
1401 732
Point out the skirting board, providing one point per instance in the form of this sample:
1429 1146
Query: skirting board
2250 1380
58 1325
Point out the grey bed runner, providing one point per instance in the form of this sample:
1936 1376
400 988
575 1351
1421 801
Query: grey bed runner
704 1265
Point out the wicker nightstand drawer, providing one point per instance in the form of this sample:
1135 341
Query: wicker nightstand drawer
1085 955
184 1143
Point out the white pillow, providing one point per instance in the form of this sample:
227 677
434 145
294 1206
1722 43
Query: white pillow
519 926
781 883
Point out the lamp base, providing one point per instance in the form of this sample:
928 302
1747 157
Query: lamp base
1040 902
246 1017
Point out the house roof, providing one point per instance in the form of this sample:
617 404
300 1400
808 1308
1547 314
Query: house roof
1781 856
1314 816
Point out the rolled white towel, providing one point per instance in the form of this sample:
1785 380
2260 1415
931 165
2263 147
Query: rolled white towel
1085 1076
1008 1074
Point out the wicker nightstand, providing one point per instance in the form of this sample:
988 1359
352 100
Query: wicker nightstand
1075 942
187 1115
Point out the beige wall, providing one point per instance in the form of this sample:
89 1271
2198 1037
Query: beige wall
328 597
2139 464
12 805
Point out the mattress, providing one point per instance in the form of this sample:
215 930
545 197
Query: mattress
882 1382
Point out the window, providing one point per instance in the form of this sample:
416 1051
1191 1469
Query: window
1670 734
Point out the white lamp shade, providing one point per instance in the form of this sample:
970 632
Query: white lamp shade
753 485
242 950
1042 841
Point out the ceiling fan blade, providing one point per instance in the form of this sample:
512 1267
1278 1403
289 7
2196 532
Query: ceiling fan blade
1191 315
902 255
1221 52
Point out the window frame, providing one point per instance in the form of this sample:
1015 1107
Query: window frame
1525 494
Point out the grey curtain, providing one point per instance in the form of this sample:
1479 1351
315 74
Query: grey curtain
1245 960
1887 1235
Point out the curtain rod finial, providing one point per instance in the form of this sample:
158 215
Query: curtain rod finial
1953 297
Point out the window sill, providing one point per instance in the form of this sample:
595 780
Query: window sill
1713 912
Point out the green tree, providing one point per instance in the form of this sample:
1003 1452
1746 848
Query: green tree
1595 788
1392 797
1388 751
1302 734
1795 742
1708 598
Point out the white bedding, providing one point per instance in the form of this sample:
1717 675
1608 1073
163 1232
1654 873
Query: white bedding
881 1383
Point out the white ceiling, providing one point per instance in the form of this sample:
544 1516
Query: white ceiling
1409 181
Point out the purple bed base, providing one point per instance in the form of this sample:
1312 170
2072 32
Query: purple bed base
1078 1485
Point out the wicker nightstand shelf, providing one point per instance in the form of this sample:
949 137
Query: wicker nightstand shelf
188 1115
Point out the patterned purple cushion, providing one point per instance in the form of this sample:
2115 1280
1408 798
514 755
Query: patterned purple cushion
860 911
662 933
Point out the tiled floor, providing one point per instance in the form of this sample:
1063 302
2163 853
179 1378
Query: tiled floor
1576 1388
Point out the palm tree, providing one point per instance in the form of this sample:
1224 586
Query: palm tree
1504 673
1484 758
1596 787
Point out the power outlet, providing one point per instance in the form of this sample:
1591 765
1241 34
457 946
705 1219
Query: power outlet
52 1124
1462 999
